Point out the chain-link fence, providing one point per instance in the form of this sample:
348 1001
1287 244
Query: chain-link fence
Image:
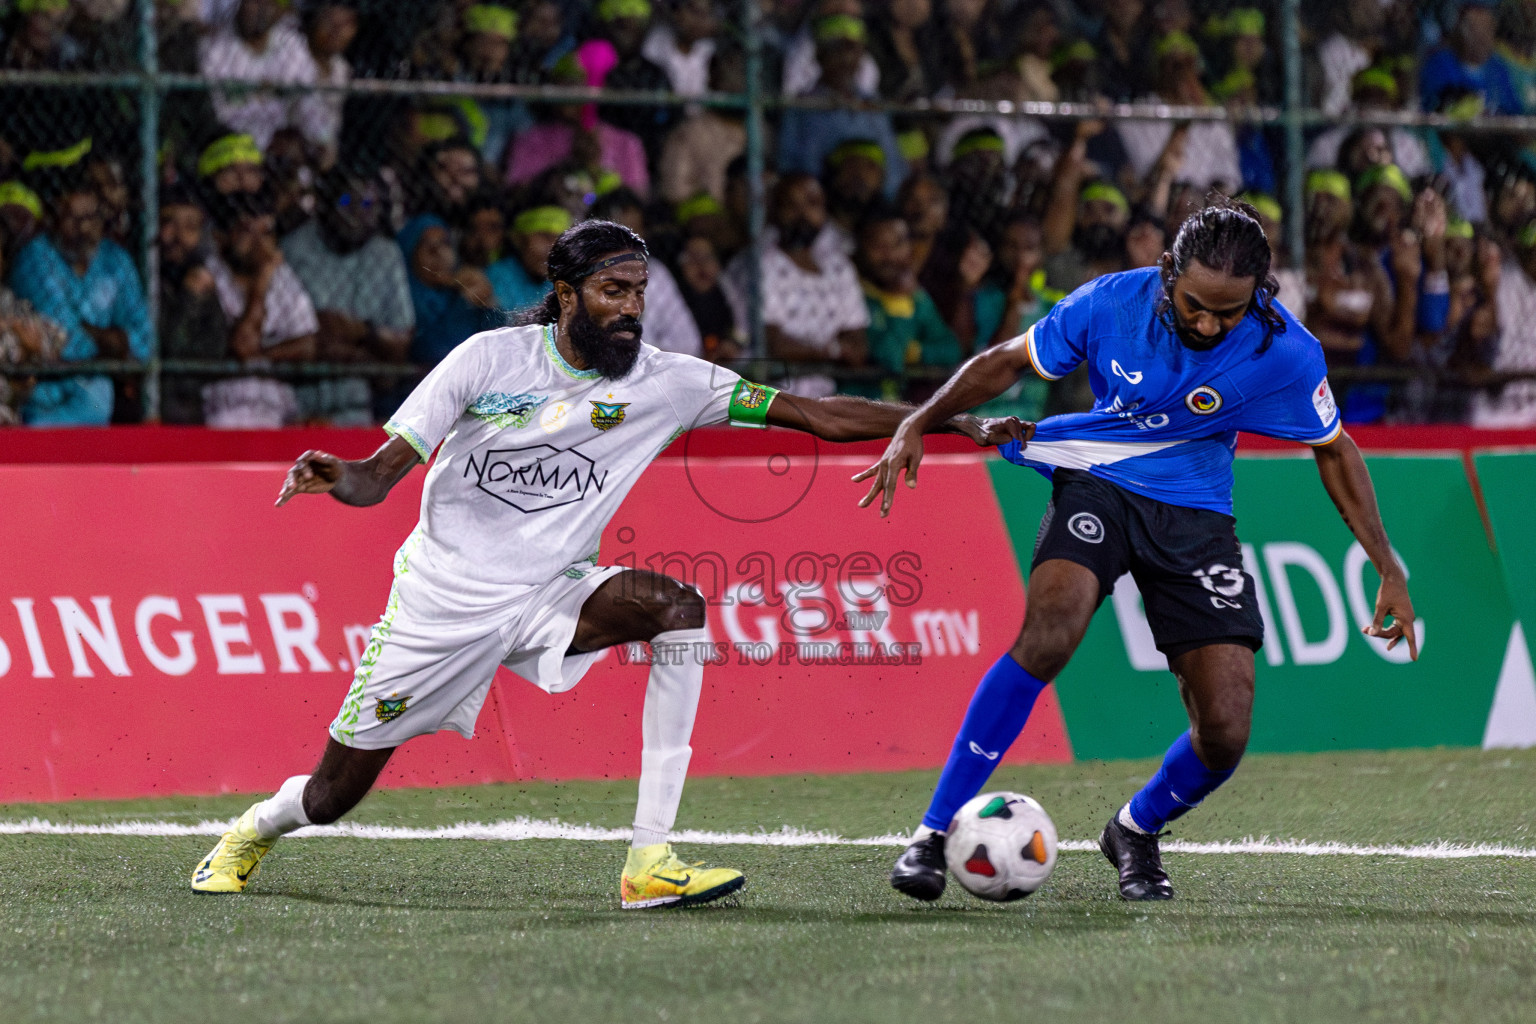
327 197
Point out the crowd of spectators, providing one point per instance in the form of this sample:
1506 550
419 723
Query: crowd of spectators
300 223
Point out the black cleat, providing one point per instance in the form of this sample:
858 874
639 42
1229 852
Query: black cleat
919 871
1136 856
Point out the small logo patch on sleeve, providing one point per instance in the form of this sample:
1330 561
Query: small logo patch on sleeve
1322 401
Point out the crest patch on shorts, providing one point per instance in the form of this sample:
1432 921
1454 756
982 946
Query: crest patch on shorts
391 708
1087 527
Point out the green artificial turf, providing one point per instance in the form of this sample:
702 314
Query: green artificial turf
105 928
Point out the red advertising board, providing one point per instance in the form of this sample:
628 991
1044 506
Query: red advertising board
165 629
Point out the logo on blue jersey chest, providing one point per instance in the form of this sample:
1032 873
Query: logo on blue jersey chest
1153 397
1203 401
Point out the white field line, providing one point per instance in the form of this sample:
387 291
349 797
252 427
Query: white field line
532 828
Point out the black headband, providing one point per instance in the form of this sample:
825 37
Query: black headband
622 257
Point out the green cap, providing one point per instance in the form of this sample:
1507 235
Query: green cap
568 70
1267 205
1455 227
1175 44
491 20
547 220
1464 109
912 144
58 157
850 148
1384 174
1107 192
1244 21
1078 50
226 152
1527 237
1332 182
981 140
701 205
839 28
436 125
613 10
607 181
1378 78
1237 80
14 193
476 122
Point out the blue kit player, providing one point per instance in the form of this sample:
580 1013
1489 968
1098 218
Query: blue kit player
1181 357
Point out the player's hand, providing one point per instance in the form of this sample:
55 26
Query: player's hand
1407 258
1392 600
901 458
313 473
1429 215
995 430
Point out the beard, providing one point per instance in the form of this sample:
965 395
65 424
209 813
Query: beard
1193 339
1099 243
612 357
798 235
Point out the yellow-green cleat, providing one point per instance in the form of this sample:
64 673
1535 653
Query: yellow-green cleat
231 865
655 877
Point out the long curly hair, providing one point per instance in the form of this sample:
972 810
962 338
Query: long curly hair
1225 236
572 257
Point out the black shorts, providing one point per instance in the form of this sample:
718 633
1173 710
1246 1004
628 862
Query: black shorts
1186 561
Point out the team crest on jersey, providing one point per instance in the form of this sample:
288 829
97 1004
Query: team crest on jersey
1203 401
607 415
390 708
504 410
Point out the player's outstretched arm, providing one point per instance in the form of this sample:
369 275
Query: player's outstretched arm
359 482
849 418
980 379
1348 483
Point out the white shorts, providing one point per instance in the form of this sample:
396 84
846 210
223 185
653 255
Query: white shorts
430 659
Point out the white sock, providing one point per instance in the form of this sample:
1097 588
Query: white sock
284 811
1124 817
671 699
923 832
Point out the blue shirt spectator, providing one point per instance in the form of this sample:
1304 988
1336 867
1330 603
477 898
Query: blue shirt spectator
1468 64
451 302
807 136
518 279
90 286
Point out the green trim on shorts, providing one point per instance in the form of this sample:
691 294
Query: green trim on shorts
749 404
394 428
345 725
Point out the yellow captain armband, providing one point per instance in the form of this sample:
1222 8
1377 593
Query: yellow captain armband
749 404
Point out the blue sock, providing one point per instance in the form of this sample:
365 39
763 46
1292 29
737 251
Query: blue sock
999 708
1181 783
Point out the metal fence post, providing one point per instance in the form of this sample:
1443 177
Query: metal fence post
149 217
758 341
1295 150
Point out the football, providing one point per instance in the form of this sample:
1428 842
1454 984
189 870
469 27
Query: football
1001 846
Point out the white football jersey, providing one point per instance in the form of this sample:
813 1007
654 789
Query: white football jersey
537 455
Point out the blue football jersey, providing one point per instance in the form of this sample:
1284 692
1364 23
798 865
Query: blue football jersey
1165 418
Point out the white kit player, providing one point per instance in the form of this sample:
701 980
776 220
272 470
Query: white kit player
540 432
